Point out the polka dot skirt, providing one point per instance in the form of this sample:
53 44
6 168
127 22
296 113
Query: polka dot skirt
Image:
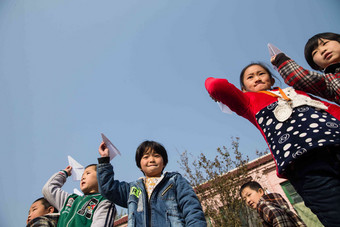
307 128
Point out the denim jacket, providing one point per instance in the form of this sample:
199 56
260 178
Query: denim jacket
173 202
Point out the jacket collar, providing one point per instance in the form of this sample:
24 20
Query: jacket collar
334 68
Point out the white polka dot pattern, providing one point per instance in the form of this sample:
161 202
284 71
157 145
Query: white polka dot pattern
306 129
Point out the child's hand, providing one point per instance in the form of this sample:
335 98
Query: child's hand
214 98
68 170
272 59
103 150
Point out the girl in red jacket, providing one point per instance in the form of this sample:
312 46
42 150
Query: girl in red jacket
302 132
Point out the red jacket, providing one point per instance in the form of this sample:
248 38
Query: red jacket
251 105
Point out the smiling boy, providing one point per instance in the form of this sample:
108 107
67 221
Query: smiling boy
91 209
272 207
157 199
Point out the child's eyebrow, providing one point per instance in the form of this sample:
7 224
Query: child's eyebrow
321 41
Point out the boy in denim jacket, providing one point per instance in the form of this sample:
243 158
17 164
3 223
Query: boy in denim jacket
158 199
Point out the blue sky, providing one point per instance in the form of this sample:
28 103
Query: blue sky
134 70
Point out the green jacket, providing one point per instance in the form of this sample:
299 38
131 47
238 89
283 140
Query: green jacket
75 210
78 210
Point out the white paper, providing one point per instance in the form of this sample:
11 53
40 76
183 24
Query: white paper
113 151
76 191
77 169
224 108
273 50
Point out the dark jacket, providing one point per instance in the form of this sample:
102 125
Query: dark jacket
274 211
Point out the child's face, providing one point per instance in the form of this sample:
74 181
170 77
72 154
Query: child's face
251 197
256 78
327 53
37 209
152 164
88 182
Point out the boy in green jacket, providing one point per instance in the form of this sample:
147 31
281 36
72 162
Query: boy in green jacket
91 209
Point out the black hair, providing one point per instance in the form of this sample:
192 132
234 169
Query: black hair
95 166
252 185
313 43
263 65
151 145
46 204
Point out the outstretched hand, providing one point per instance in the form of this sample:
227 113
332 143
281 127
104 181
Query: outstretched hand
213 98
68 170
103 150
272 59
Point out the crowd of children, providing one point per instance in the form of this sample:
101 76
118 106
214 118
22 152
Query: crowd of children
302 133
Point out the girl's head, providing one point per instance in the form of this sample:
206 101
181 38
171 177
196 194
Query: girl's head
322 50
151 158
256 77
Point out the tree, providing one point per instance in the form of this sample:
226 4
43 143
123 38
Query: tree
217 181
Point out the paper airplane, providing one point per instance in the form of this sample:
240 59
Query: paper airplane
77 169
113 151
76 191
273 50
224 108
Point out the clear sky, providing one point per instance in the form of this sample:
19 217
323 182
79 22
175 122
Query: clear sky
134 70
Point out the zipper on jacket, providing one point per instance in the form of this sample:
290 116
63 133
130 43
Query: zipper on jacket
167 189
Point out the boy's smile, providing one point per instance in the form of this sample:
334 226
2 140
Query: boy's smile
152 164
326 53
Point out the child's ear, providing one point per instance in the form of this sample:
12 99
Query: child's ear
273 81
50 209
243 89
261 191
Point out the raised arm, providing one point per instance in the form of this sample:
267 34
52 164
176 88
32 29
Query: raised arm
113 190
52 189
225 92
302 79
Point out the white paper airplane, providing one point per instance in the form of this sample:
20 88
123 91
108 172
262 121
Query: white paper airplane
77 169
273 50
76 191
224 108
113 151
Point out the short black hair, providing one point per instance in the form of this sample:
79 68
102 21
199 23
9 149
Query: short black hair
151 145
95 166
313 43
45 203
252 185
263 65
